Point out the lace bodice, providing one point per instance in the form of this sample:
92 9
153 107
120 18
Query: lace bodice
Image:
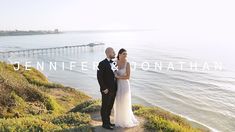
122 71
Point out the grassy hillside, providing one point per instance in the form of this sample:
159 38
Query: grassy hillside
29 102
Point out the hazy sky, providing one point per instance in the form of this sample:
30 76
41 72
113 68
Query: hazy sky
174 15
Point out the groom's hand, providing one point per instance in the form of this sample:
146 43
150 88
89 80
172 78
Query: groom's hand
105 91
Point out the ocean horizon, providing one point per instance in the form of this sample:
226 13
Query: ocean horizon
192 77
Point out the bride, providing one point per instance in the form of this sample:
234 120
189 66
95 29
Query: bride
123 115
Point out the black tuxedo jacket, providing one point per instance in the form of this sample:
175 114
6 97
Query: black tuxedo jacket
106 77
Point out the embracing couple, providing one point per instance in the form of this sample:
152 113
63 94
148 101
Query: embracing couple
113 78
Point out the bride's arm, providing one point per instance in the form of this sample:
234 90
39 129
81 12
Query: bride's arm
128 71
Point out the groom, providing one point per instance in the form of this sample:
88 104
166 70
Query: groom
108 87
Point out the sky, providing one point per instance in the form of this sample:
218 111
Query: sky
215 16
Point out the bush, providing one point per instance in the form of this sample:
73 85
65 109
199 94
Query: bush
26 125
47 122
88 106
161 120
159 124
72 119
37 78
16 93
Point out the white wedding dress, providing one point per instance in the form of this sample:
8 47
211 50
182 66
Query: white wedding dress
123 115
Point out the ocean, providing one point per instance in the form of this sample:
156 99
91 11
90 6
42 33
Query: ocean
192 76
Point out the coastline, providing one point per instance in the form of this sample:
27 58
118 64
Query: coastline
30 32
60 102
192 122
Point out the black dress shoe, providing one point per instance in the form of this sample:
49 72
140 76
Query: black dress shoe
111 124
107 127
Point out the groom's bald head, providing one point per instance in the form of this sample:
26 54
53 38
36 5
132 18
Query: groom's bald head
110 53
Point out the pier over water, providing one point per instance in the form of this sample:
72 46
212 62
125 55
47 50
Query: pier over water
62 49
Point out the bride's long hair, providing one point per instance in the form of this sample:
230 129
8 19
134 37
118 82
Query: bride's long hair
120 52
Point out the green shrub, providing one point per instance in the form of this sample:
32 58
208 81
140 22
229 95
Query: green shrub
159 124
37 78
51 104
161 120
47 122
26 125
88 106
72 119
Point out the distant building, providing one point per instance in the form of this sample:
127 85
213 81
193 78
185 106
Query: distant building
56 31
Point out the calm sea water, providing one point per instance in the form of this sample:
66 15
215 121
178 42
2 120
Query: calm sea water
206 96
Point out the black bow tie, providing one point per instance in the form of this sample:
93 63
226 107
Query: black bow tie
110 61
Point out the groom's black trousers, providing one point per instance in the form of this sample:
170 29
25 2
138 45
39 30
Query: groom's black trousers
106 106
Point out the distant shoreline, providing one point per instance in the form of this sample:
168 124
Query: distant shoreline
29 32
